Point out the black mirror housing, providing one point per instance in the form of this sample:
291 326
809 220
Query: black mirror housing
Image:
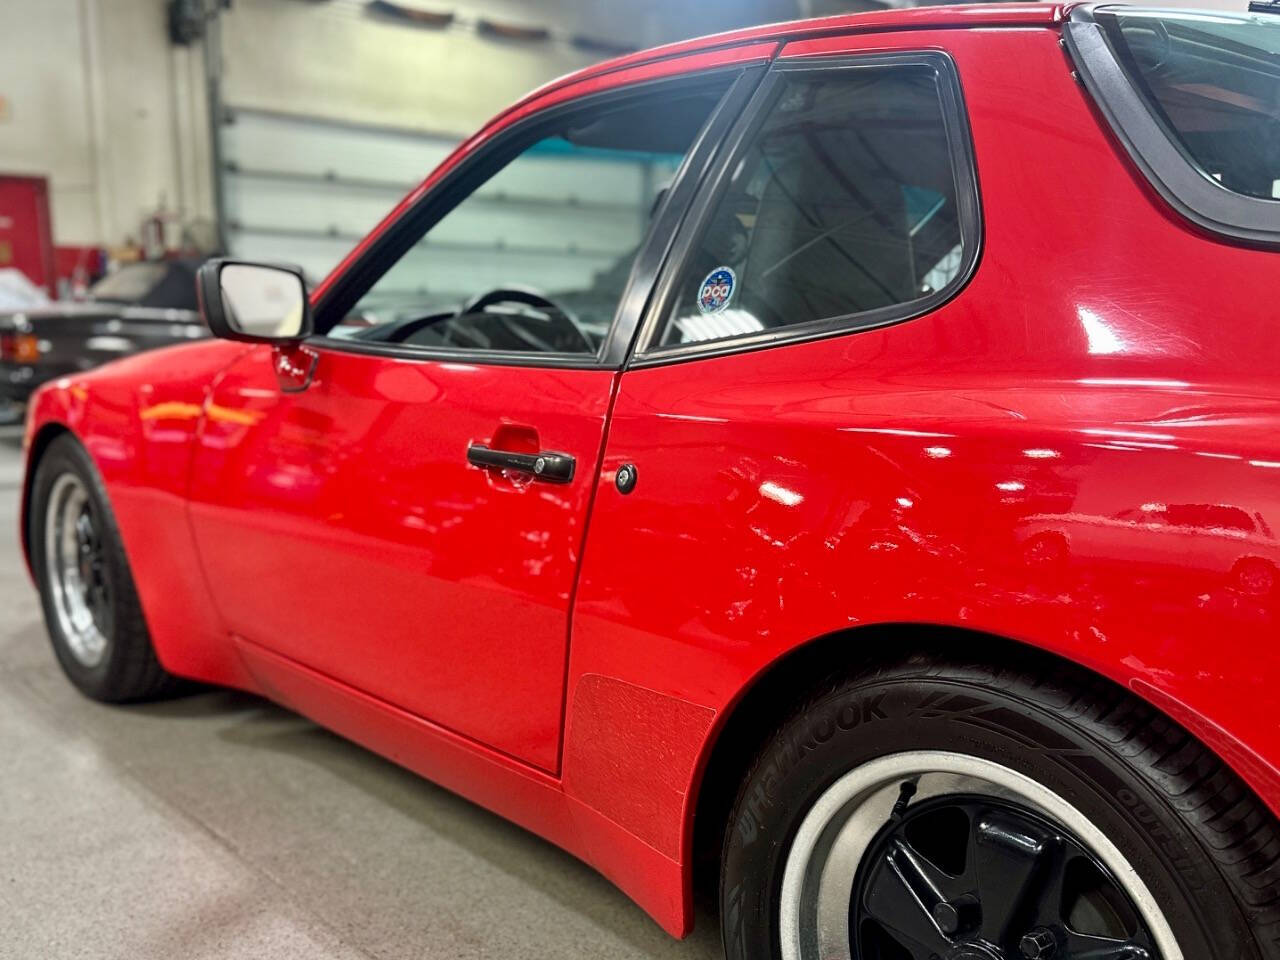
254 302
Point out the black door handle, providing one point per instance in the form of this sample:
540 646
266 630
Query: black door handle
548 466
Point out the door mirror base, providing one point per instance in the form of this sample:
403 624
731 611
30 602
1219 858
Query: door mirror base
295 366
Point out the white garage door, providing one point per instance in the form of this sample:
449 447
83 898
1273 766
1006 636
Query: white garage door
304 191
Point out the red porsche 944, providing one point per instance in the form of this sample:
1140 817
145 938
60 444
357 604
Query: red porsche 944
837 461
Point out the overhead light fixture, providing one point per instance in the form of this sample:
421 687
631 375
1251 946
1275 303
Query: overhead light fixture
512 31
405 13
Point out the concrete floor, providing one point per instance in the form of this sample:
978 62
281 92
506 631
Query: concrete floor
219 825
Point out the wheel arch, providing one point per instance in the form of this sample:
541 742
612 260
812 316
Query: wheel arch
114 414
766 699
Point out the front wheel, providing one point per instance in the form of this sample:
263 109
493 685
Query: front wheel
939 810
90 605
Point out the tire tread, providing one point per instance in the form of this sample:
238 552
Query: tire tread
1237 831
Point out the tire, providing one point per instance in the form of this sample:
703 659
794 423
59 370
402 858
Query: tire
1132 812
1254 576
102 644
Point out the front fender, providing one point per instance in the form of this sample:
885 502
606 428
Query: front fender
138 419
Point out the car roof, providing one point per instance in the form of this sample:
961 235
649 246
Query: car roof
912 18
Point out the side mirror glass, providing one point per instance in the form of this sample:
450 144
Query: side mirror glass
256 302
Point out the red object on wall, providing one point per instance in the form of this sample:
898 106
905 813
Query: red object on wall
79 266
26 229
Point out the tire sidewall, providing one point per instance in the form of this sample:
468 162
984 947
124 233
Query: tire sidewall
904 710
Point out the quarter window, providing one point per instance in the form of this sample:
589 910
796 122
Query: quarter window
845 205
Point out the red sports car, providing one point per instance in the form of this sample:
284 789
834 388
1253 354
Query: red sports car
839 460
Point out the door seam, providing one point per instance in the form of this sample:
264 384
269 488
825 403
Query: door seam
577 573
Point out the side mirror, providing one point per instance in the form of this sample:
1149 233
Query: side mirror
255 302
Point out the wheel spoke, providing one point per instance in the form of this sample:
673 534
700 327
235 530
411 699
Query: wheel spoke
963 867
1012 859
99 604
1080 947
901 897
924 875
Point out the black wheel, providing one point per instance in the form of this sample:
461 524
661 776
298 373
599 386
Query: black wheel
90 606
938 810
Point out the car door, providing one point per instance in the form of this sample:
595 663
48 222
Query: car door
777 410
400 504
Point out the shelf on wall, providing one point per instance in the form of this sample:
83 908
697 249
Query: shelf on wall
301 233
400 187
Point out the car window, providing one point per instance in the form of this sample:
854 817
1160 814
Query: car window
536 258
1209 516
1212 81
845 203
130 283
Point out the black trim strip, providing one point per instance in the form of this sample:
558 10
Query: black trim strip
968 202
740 82
698 165
1198 198
500 358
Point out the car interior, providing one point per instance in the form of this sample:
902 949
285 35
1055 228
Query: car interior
518 317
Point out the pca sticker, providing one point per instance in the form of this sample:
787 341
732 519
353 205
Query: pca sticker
716 290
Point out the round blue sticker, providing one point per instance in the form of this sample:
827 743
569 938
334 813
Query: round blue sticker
716 290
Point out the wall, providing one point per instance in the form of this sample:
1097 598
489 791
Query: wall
333 60
98 102
44 128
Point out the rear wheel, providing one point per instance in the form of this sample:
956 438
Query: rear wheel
90 605
947 811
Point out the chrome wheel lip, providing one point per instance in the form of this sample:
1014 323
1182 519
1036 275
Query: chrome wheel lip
67 521
835 834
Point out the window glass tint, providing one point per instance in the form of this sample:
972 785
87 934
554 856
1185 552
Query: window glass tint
845 203
1213 82
536 258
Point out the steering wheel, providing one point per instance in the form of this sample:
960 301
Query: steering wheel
562 326
555 313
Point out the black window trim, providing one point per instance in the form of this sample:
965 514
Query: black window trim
505 146
968 202
1197 197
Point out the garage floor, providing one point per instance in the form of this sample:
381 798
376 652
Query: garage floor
222 826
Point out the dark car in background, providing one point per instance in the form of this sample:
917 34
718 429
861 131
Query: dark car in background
138 307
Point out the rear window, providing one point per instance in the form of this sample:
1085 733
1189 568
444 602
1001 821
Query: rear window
1213 83
1194 97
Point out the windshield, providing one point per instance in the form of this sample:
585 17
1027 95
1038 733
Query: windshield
1213 82
129 284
